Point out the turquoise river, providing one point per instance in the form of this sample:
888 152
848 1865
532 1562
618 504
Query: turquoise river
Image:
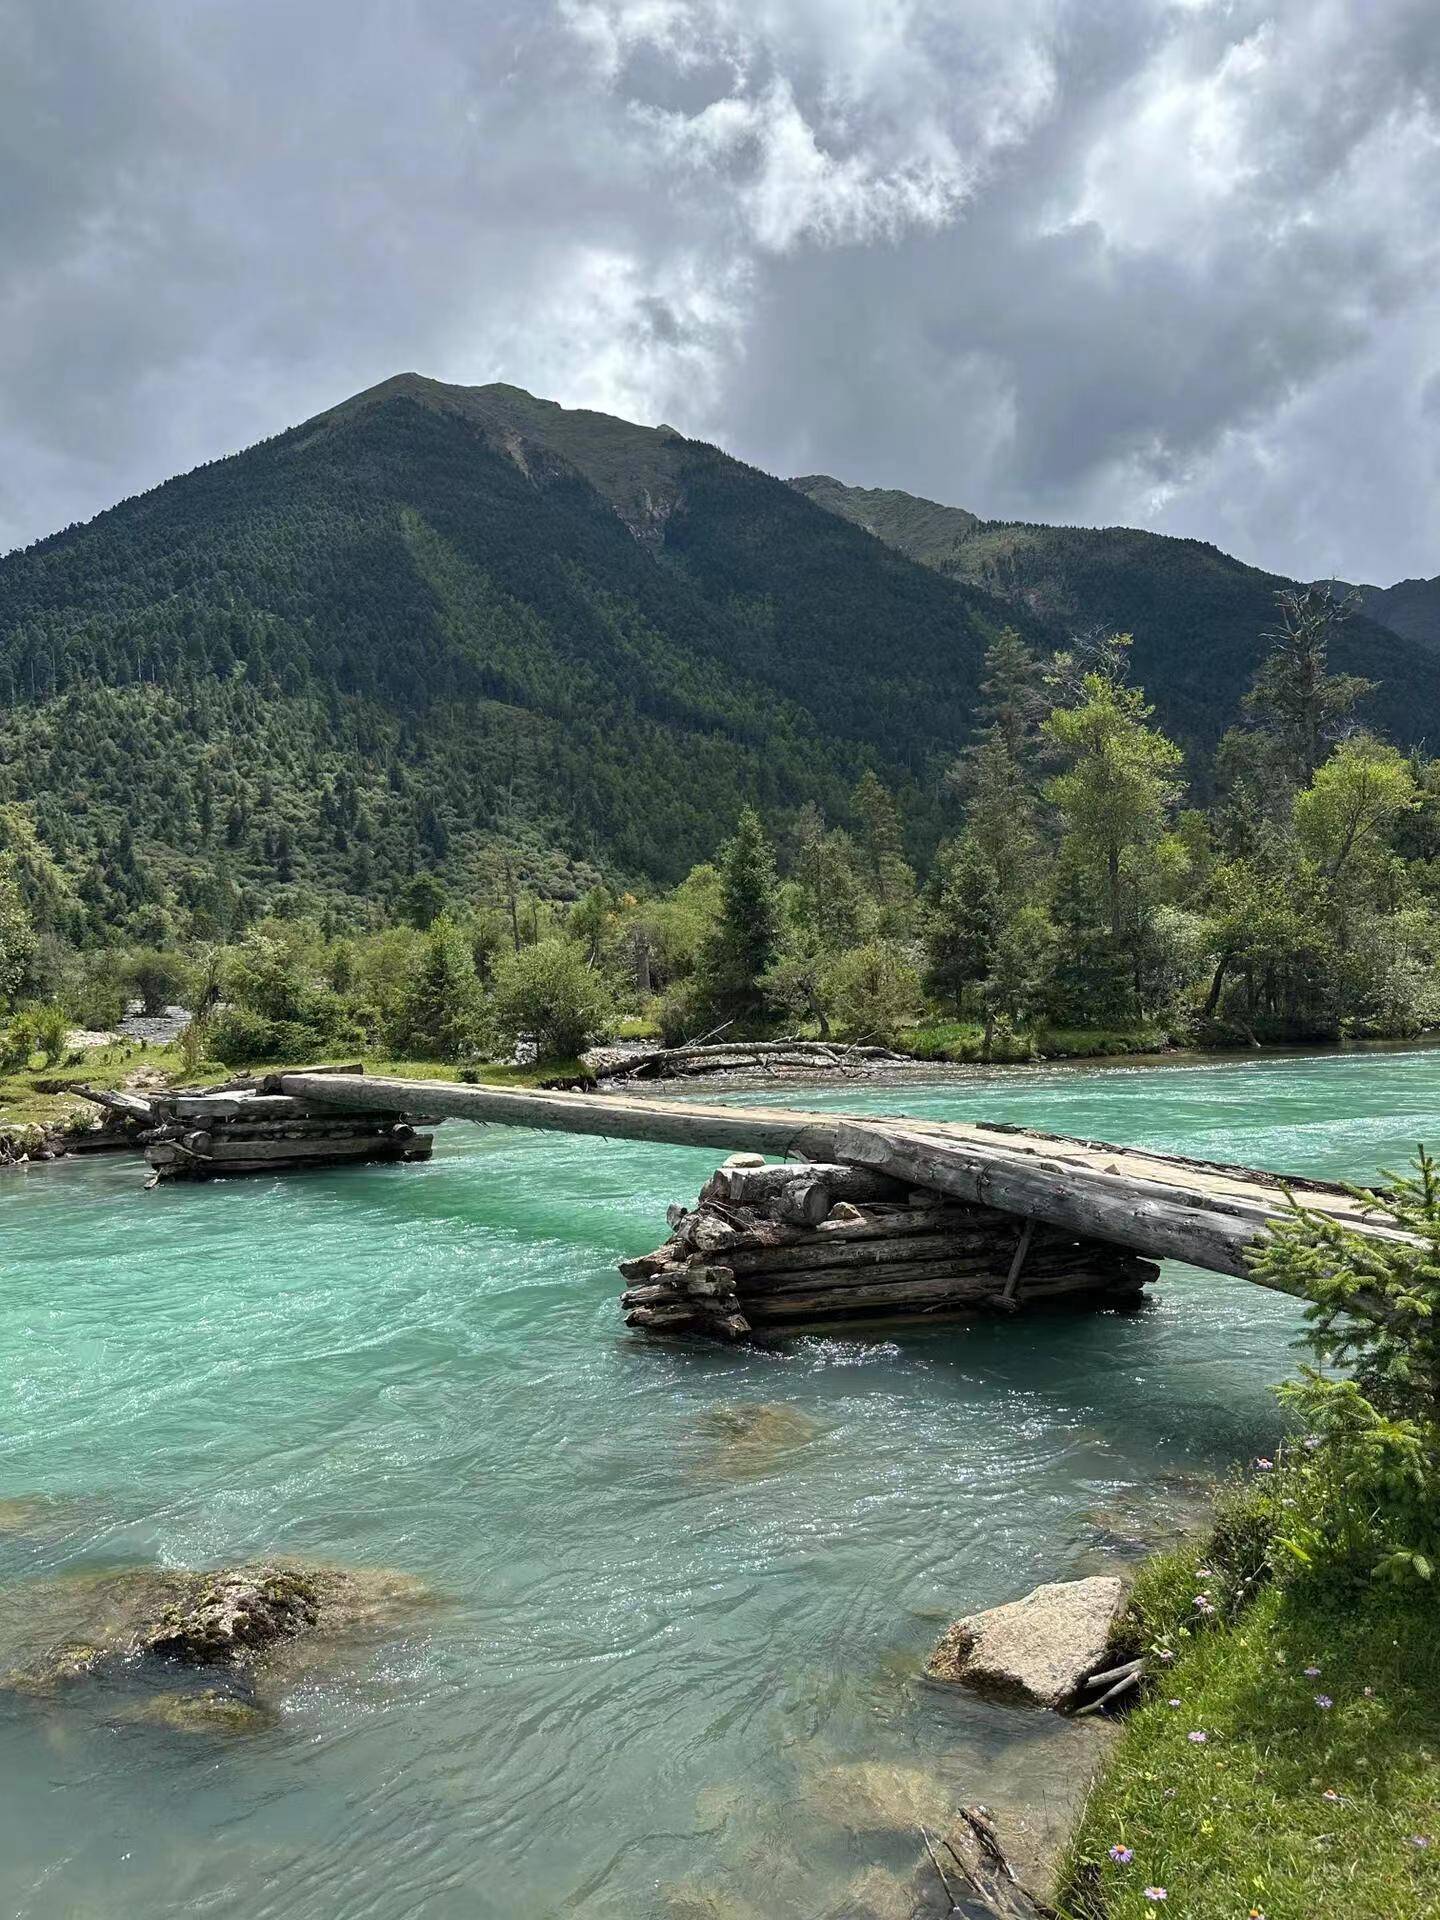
667 1660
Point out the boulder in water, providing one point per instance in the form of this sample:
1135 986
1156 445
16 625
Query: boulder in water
123 1622
229 1616
1039 1649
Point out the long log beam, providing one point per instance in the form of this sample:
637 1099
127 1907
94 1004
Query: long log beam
1165 1208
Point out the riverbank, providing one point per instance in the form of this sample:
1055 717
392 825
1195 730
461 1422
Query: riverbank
1285 1761
42 1116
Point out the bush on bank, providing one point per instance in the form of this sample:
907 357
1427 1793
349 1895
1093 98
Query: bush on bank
1286 1759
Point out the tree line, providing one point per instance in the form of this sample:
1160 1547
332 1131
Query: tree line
1080 896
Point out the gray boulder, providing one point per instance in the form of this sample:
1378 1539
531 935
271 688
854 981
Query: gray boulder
1039 1649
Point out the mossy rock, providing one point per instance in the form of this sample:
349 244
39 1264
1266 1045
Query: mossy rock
208 1711
230 1615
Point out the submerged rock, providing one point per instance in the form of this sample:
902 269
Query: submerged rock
752 1437
71 1660
53 1632
875 1895
871 1797
210 1710
694 1900
1039 1649
24 1513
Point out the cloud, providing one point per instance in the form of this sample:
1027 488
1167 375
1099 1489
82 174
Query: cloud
1166 261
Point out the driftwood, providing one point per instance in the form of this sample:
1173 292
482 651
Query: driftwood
976 1880
663 1063
132 1105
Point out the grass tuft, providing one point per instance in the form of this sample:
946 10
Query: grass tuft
1287 1807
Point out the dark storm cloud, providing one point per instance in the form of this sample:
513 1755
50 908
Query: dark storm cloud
1157 261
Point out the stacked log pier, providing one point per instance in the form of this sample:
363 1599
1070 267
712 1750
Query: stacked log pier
201 1136
780 1246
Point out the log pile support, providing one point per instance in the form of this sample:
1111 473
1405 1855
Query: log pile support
244 1129
782 1246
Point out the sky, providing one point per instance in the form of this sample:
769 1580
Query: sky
1166 263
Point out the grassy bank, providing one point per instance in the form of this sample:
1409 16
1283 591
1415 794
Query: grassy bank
1316 1787
963 1042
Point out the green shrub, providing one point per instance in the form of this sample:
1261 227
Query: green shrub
239 1036
39 1029
158 976
1207 1582
874 990
1368 1493
549 993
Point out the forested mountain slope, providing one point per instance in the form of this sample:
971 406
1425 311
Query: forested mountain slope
460 628
421 630
1410 607
1197 614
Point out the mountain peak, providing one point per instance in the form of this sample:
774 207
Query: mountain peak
635 468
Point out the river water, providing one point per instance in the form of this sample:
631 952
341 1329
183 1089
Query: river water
680 1594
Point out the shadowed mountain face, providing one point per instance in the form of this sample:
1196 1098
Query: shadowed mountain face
437 625
1197 615
1410 608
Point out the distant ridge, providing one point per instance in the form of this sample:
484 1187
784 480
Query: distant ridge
1197 614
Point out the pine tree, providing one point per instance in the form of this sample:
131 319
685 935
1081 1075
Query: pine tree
17 938
962 922
440 1015
882 845
744 944
1295 701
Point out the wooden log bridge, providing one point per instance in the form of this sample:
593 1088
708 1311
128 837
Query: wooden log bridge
1159 1206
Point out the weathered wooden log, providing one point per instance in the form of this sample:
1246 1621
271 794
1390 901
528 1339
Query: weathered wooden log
655 1293
235 1106
132 1105
804 1203
988 1274
346 1147
174 1159
666 1319
330 1127
917 1293
717 1056
825 1251
760 1186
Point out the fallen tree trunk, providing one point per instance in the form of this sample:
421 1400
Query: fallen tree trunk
659 1063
